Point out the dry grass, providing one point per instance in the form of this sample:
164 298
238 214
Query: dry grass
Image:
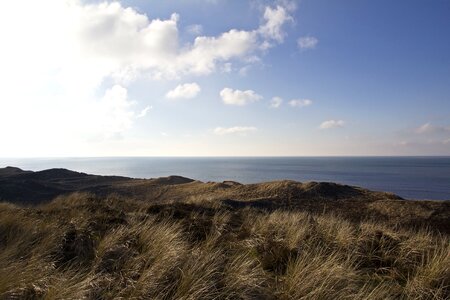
83 247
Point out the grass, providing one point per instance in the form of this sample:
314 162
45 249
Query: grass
85 247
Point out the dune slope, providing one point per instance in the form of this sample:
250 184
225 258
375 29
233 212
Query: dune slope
97 237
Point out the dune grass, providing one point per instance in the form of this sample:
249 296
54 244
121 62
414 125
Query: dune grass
83 247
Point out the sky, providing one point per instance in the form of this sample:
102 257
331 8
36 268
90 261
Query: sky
224 78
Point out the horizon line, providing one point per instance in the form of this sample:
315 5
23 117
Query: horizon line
223 156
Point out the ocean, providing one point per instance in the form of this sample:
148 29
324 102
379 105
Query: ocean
408 177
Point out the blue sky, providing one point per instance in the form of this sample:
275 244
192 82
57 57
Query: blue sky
225 78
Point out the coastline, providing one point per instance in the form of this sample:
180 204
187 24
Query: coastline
410 177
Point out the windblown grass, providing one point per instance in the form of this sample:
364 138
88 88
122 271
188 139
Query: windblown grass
83 247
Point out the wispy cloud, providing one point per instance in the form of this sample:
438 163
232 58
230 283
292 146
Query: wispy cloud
332 124
429 128
238 97
307 42
144 112
244 71
242 130
186 91
195 29
300 102
274 18
425 128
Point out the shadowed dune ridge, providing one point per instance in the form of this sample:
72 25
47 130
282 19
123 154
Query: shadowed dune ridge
70 235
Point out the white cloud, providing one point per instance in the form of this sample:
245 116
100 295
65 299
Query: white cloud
206 52
274 18
186 91
195 29
115 110
136 44
332 124
300 102
113 114
238 97
93 49
307 42
276 102
95 41
289 5
234 130
68 127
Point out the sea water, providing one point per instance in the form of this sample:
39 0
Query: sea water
408 177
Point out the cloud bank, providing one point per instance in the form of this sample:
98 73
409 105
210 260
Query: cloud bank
77 59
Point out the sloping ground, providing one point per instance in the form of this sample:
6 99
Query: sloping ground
84 246
176 238
28 187
353 203
286 190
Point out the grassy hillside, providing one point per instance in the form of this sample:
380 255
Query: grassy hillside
350 203
195 246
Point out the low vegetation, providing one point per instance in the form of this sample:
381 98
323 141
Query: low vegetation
82 246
